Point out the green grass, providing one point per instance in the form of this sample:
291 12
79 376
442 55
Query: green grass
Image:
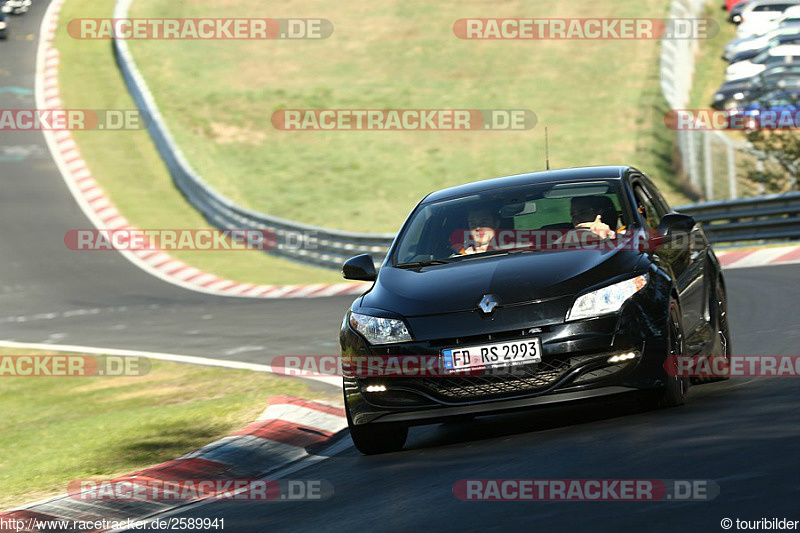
128 168
709 75
600 100
58 429
709 71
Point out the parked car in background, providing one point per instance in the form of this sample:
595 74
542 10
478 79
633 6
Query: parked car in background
738 93
772 16
791 38
17 7
735 8
755 114
774 56
3 26
752 42
731 93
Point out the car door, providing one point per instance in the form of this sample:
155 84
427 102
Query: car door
688 259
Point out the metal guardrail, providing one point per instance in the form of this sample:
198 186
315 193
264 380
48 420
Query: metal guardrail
317 246
773 217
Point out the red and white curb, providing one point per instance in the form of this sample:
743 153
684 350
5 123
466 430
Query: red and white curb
104 215
779 255
282 435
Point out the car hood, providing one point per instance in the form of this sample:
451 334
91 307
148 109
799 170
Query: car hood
512 279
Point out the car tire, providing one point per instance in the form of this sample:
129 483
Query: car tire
721 324
676 388
374 439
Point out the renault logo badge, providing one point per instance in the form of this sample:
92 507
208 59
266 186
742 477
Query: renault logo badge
487 304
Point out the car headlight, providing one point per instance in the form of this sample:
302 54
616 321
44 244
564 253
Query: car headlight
606 300
380 330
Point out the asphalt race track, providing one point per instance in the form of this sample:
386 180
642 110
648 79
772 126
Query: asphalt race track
743 434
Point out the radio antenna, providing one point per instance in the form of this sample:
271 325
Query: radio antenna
546 150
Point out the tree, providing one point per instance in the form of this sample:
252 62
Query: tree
778 153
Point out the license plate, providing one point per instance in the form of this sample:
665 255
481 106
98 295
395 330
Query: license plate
493 355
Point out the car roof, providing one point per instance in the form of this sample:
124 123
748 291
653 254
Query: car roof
546 176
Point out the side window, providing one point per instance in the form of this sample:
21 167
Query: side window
646 207
660 204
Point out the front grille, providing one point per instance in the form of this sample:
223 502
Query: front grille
497 336
520 380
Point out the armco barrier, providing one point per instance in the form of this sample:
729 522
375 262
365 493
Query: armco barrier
329 248
773 217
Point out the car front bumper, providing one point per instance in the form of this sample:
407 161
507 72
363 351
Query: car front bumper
574 366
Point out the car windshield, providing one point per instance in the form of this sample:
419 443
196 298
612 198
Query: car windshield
490 222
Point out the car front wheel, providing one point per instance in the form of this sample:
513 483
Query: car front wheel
677 387
373 439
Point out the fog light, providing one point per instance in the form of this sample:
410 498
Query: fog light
376 388
622 357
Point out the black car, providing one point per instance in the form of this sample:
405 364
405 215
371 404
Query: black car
785 89
731 92
576 323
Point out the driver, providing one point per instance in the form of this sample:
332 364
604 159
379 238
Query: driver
588 212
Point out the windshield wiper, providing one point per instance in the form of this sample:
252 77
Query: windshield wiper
495 253
418 264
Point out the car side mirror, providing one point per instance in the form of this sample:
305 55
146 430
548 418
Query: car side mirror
674 225
360 268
